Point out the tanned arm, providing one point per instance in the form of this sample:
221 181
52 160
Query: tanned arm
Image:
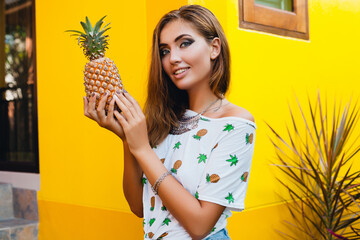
197 217
132 184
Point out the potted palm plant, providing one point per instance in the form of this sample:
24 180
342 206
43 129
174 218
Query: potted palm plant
317 162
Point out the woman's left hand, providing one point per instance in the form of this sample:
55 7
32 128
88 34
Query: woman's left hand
133 122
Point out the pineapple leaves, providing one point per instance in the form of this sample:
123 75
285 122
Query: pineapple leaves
98 25
78 32
105 26
85 27
102 32
92 41
88 24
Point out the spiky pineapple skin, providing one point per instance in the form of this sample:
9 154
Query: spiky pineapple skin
101 75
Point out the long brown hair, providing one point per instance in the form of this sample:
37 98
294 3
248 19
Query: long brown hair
166 103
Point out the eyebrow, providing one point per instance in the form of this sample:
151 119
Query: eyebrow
176 39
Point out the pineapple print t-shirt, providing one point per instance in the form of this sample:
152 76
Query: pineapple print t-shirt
212 162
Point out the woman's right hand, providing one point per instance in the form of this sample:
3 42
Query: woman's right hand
98 115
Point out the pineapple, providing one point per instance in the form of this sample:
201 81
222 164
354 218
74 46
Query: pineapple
249 138
152 204
163 235
215 146
214 178
200 133
150 234
244 176
100 75
176 166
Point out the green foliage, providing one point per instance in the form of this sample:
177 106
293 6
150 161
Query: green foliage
17 60
325 190
93 41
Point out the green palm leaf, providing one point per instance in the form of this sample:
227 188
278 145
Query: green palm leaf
323 189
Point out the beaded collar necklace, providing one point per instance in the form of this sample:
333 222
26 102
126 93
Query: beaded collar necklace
188 123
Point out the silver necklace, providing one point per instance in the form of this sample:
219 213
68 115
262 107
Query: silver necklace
188 123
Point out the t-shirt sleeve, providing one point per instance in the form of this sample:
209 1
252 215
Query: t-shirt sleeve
227 172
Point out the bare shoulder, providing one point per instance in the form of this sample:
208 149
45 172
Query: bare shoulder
233 110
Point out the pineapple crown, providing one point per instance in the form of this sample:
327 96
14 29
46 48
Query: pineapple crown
93 42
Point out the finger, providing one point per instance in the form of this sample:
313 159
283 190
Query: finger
92 102
128 104
124 109
111 108
85 107
135 103
101 107
121 120
121 113
91 107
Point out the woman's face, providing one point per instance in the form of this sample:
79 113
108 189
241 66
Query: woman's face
185 55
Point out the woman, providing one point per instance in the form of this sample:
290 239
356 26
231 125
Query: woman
187 163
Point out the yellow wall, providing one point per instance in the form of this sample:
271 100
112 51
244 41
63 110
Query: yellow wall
81 164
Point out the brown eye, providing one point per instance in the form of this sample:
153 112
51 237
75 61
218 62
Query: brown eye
163 52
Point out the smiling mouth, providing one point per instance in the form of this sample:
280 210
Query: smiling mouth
179 71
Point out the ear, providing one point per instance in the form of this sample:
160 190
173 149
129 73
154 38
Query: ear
215 48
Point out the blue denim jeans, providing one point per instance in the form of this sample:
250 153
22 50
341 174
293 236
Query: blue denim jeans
220 235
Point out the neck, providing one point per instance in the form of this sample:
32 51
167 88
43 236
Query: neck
200 96
199 103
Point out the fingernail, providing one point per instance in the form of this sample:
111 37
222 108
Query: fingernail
117 91
115 97
93 94
105 93
124 90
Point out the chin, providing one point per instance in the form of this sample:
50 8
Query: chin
182 86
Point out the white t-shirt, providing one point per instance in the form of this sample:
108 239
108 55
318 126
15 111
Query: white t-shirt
212 162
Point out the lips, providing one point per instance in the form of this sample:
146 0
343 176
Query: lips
180 70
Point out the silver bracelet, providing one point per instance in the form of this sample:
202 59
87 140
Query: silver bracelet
156 185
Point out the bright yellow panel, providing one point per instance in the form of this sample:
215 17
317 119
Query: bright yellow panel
60 221
81 163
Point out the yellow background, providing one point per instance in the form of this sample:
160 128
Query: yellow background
81 165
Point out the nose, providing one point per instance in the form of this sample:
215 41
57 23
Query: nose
175 57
